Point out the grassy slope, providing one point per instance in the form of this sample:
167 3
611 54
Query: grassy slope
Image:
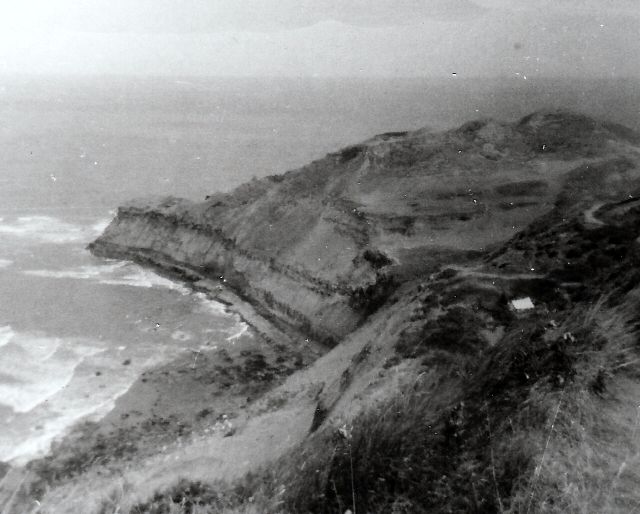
533 426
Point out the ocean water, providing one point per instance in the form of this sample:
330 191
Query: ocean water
76 330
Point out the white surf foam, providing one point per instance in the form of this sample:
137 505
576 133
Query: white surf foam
80 273
87 396
36 368
42 229
48 229
118 273
5 263
141 277
6 334
40 437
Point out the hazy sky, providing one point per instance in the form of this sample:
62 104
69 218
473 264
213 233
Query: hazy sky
522 38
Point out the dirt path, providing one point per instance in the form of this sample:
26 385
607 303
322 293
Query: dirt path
590 216
473 272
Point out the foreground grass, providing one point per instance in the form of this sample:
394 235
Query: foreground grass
591 458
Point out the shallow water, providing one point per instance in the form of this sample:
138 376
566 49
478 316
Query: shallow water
76 331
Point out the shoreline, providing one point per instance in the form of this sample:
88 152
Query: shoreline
264 323
232 304
174 400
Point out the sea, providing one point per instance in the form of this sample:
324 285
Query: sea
76 330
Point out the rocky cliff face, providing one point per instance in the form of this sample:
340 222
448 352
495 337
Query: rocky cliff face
319 248
167 236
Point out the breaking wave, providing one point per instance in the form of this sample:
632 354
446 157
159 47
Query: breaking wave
36 367
49 383
6 333
113 273
48 229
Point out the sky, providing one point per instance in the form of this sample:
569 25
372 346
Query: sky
322 38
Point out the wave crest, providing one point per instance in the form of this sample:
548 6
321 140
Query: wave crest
48 229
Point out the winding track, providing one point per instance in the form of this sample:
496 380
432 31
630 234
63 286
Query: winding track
590 214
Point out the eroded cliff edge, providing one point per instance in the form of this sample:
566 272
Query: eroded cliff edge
320 248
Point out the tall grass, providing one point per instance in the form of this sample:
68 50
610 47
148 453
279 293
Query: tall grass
592 460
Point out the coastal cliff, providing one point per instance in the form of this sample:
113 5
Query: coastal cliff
169 236
320 248
401 256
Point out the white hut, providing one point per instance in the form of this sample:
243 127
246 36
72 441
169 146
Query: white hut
522 304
